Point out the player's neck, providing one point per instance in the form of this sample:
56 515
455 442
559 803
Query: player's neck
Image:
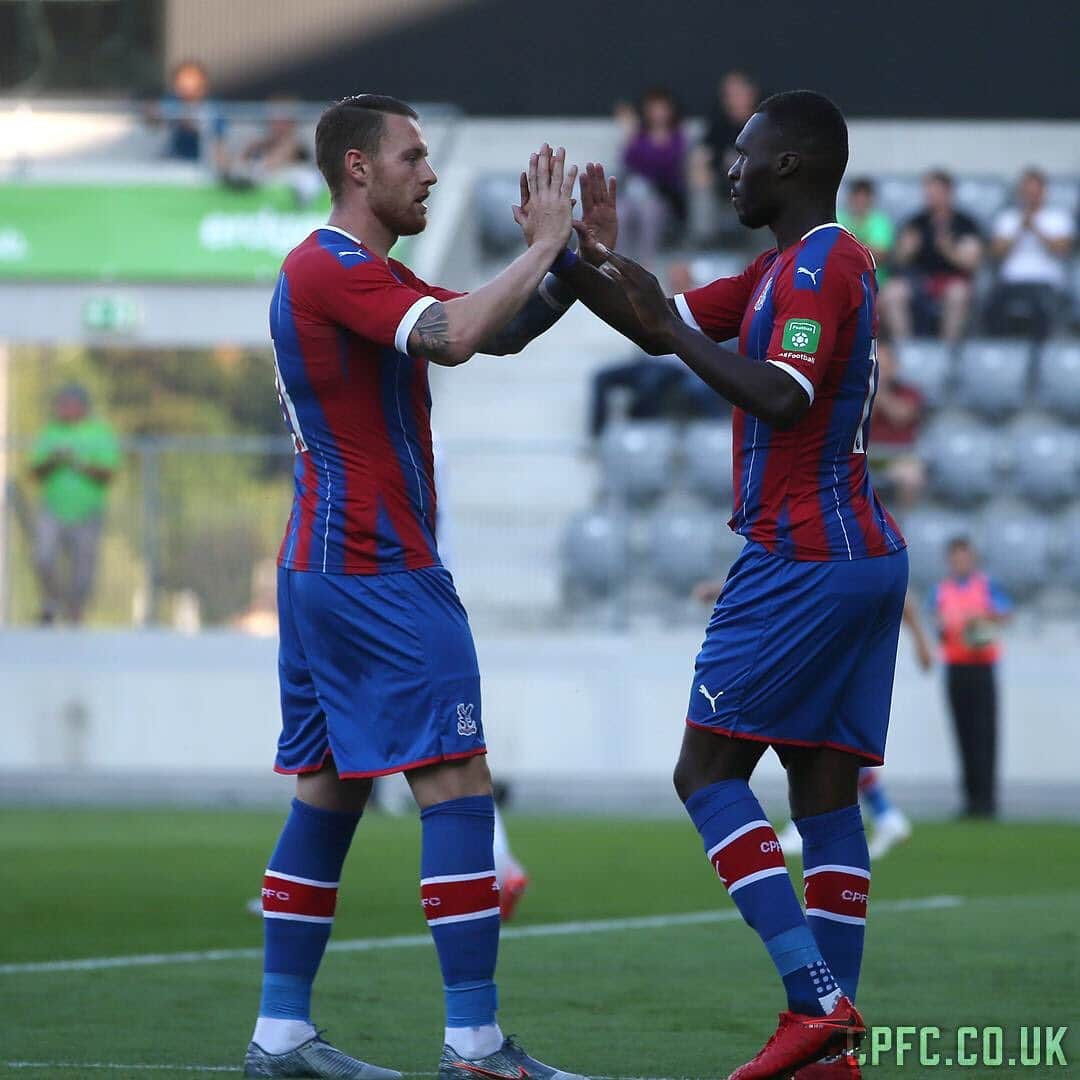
794 222
360 222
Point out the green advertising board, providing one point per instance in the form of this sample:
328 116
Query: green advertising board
149 232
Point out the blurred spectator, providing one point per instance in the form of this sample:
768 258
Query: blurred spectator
970 608
653 387
894 430
737 97
652 200
935 259
1032 243
870 225
74 458
280 153
195 124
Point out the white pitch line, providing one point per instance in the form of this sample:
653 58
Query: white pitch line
413 941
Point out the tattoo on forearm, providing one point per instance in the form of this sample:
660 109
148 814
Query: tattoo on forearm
433 330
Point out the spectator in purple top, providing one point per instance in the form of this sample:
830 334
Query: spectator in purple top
652 199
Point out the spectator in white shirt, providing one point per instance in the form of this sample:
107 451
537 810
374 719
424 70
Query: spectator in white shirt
1032 243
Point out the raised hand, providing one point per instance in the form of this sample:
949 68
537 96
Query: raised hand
599 226
545 211
647 298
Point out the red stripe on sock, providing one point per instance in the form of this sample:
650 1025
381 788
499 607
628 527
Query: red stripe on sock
444 898
748 854
840 893
294 898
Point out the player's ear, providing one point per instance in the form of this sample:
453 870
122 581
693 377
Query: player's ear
787 163
357 166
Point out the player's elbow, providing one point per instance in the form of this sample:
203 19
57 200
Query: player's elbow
789 407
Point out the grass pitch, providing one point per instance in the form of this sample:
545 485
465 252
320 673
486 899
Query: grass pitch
667 999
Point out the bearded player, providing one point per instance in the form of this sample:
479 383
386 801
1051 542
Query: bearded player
801 647
377 666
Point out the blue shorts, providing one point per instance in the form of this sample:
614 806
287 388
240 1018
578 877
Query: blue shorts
802 653
377 671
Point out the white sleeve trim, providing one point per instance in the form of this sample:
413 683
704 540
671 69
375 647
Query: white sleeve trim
547 287
408 321
683 308
798 376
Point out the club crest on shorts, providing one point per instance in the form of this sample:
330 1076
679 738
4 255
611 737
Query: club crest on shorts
466 725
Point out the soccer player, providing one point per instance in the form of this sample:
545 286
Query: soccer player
801 647
377 666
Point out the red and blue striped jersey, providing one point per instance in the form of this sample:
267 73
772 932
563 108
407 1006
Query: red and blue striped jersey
805 493
357 406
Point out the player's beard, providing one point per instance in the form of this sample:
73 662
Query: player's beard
400 217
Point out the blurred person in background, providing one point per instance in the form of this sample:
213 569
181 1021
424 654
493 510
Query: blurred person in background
279 153
194 123
736 99
868 223
74 458
898 469
653 386
935 259
653 198
970 608
1031 244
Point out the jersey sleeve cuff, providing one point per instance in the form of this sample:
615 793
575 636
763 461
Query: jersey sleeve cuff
408 321
798 376
687 316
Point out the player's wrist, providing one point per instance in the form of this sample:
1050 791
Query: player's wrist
566 259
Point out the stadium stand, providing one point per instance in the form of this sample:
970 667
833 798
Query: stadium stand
1058 380
637 459
992 377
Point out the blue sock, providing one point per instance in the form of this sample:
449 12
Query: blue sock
299 896
873 791
461 902
742 846
836 870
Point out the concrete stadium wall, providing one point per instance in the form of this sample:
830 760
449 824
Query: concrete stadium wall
575 720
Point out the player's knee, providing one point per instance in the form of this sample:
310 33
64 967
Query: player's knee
686 778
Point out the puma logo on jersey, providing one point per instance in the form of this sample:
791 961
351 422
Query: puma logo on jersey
342 254
811 274
711 698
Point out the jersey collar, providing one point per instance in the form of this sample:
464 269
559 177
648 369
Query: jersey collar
356 239
818 228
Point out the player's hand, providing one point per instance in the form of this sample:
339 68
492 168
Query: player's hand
545 211
599 224
653 311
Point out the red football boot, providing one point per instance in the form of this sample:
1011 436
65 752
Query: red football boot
800 1040
511 890
842 1067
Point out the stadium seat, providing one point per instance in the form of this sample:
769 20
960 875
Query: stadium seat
683 547
964 458
981 197
992 377
595 552
926 364
1057 385
1069 547
492 198
1045 457
637 458
1064 191
707 449
1016 546
900 196
927 530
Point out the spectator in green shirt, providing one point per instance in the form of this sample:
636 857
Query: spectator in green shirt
870 225
74 459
